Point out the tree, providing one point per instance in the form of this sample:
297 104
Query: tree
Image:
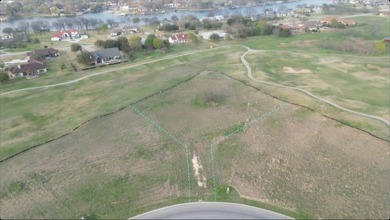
3 76
123 44
99 43
379 47
23 27
84 57
284 33
8 30
175 19
102 27
158 43
136 20
44 9
149 41
75 47
110 22
69 9
334 23
214 37
37 26
63 66
110 43
193 38
135 42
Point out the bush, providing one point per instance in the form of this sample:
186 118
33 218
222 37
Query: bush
214 37
284 33
3 76
36 41
75 47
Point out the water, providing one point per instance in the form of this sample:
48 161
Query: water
225 12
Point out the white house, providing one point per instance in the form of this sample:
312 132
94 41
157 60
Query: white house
178 39
206 35
65 34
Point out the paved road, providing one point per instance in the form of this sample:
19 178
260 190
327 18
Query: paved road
211 210
250 75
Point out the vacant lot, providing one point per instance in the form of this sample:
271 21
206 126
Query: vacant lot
120 165
32 117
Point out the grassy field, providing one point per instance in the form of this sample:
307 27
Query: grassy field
359 83
53 110
121 165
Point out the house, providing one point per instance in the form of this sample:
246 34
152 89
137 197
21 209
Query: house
206 35
285 27
328 20
178 39
105 56
115 33
28 70
284 13
131 29
313 26
219 17
384 14
65 34
45 53
15 37
141 9
386 39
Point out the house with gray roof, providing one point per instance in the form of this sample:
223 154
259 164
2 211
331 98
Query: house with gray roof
105 56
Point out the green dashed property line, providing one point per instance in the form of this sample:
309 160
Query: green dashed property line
234 132
177 141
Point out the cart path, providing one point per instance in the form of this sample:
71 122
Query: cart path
244 62
250 75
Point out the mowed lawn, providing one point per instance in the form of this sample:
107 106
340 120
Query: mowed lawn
287 158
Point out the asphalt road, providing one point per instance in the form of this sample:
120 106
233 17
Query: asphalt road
211 210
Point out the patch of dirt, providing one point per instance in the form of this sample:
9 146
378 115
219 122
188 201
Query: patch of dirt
201 180
292 70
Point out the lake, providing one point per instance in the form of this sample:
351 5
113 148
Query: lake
225 12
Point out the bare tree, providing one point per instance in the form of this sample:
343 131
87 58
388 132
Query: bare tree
85 22
8 30
175 19
69 22
59 24
78 23
23 26
93 22
110 22
37 26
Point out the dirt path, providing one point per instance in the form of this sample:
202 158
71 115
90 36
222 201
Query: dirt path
250 75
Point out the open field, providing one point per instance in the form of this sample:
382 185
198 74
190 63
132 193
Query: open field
52 112
122 164
215 132
359 83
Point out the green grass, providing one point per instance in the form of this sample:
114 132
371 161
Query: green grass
48 113
29 47
233 196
